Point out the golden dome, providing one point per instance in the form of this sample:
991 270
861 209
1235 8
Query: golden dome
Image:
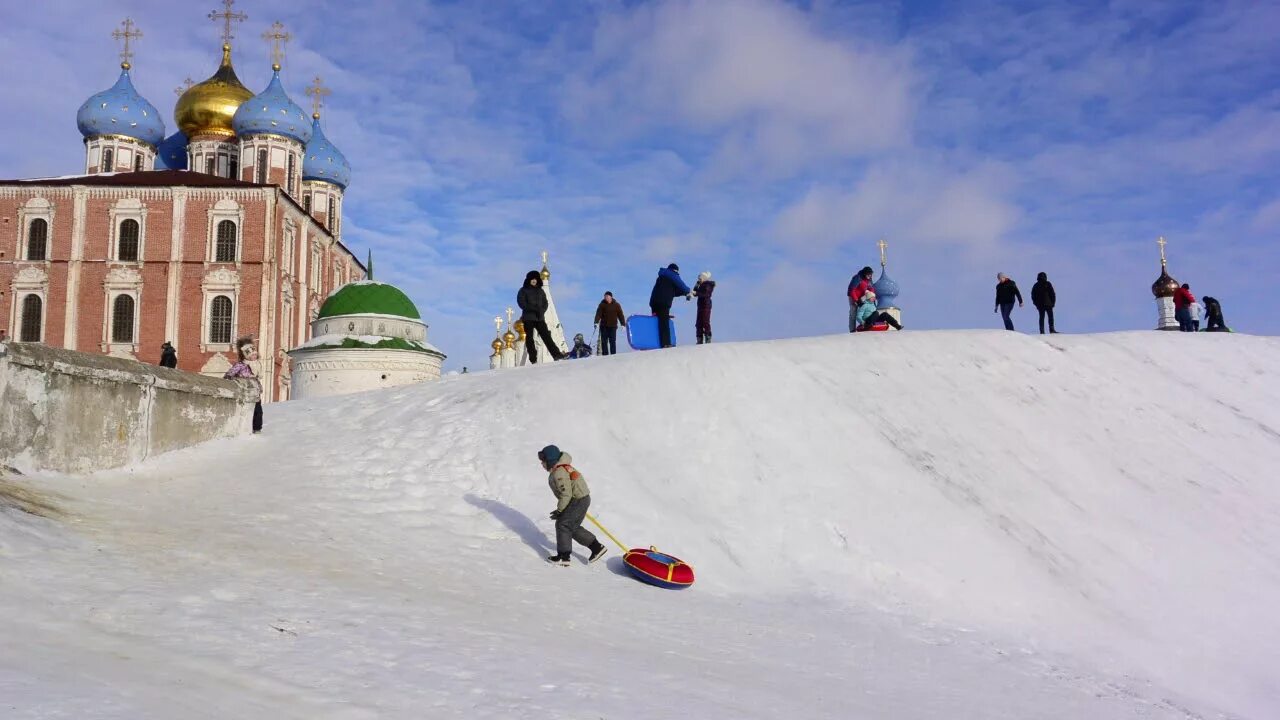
519 326
509 339
496 345
206 108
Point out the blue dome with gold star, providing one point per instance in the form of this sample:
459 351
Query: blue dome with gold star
323 161
271 112
120 110
171 153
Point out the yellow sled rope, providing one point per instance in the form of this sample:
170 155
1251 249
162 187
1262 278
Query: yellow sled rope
593 519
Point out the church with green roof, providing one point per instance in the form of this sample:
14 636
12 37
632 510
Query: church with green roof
367 335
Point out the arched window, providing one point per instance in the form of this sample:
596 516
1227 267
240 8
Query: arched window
225 250
32 312
289 179
262 167
306 203
137 163
122 319
127 246
220 320
328 215
235 167
38 240
210 165
108 160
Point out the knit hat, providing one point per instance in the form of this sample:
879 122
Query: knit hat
1001 276
578 338
674 267
705 275
549 454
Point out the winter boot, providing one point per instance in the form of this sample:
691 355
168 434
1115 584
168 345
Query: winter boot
708 340
597 551
561 559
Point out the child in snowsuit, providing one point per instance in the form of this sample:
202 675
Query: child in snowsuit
703 289
869 315
572 501
580 348
246 352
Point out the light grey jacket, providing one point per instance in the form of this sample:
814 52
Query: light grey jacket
566 482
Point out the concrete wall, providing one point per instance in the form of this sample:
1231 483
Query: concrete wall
79 412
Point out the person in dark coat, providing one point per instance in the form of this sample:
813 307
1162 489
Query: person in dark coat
1213 316
1006 292
666 289
702 289
580 348
858 286
609 316
1044 298
168 355
532 300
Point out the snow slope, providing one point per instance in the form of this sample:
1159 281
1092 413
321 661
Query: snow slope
915 525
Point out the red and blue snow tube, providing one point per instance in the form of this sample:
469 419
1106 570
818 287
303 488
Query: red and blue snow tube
659 569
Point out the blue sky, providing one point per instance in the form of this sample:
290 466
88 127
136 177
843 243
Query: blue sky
771 143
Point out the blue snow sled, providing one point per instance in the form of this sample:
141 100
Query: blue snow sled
642 332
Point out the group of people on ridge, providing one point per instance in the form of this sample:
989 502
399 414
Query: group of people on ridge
1042 296
1188 312
864 311
532 299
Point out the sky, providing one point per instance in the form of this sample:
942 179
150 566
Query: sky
770 143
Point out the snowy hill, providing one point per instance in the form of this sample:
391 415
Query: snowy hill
917 525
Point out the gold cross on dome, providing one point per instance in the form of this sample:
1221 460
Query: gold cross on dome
544 258
1162 242
510 313
278 39
185 86
497 323
882 245
127 34
317 92
226 16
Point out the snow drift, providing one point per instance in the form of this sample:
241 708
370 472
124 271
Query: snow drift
914 525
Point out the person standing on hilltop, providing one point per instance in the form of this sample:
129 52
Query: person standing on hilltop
1006 292
532 300
168 355
1182 302
573 499
1213 316
702 289
858 287
246 351
609 316
666 289
1044 298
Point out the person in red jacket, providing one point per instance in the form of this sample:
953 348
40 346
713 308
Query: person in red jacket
1182 302
858 287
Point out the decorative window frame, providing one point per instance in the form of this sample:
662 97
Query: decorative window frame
37 208
123 279
222 281
127 209
287 248
225 209
314 276
30 280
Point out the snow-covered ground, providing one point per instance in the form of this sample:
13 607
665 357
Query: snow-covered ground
919 525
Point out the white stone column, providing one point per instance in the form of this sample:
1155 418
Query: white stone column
80 205
1165 319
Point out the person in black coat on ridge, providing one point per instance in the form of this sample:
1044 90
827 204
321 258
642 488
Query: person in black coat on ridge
168 355
1043 297
532 300
1006 291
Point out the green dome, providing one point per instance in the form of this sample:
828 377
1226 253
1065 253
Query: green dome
368 297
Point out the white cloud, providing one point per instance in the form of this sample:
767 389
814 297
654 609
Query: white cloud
758 77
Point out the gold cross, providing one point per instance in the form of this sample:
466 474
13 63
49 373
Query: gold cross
226 16
317 93
882 244
497 323
544 258
127 34
1162 242
278 39
510 313
186 85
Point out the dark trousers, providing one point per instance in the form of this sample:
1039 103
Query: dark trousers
1215 323
1183 317
1005 309
608 340
664 325
569 526
1046 312
702 326
540 326
257 416
883 317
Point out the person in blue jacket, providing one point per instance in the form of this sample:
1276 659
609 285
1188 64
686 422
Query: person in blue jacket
666 289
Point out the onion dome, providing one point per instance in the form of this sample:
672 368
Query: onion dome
323 161
120 110
271 112
207 108
886 290
1164 286
368 297
171 153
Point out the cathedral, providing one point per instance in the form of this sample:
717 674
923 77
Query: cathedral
229 226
